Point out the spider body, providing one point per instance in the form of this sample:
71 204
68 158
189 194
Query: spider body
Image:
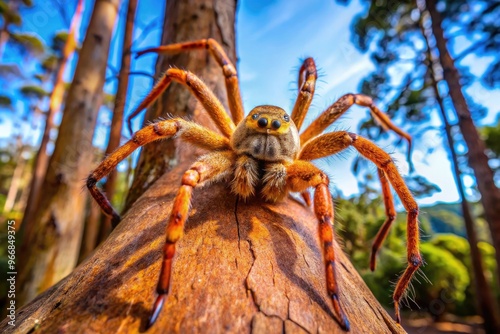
265 154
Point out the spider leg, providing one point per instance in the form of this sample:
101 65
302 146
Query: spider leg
189 131
208 100
337 109
334 142
300 176
209 168
229 70
390 213
307 82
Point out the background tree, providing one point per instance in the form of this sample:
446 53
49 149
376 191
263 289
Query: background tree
115 135
63 46
50 246
477 158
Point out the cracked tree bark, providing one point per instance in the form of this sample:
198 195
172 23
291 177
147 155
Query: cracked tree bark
240 268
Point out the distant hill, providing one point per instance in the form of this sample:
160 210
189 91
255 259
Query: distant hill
447 218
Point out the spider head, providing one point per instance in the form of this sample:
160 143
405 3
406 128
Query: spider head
268 119
267 133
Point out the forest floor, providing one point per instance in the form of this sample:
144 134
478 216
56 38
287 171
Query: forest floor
456 325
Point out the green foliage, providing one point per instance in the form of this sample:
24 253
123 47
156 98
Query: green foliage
108 100
5 101
446 272
491 136
9 14
10 71
34 92
50 63
28 43
459 248
382 15
59 41
447 222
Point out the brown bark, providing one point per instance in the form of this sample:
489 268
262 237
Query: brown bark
477 158
55 100
119 108
50 248
90 230
240 268
4 37
185 21
485 300
16 176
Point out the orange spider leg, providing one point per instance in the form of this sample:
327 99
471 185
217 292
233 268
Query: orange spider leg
300 176
209 101
307 82
189 131
210 167
337 109
335 142
390 213
229 70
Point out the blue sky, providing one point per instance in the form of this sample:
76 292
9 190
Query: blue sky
272 38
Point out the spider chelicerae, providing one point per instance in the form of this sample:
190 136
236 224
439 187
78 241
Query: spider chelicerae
263 153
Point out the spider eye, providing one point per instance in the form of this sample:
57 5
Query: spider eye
286 118
255 116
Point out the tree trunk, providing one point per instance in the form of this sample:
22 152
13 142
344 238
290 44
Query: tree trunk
4 37
185 21
485 300
50 248
42 156
241 267
16 177
117 122
477 158
90 230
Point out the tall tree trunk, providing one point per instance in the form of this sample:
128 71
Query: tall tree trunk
485 300
117 122
477 158
4 37
241 267
90 230
16 176
42 156
185 21
50 249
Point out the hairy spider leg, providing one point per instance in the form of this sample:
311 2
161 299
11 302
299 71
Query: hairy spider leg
300 176
188 131
228 69
334 142
307 82
390 213
210 167
204 95
338 108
